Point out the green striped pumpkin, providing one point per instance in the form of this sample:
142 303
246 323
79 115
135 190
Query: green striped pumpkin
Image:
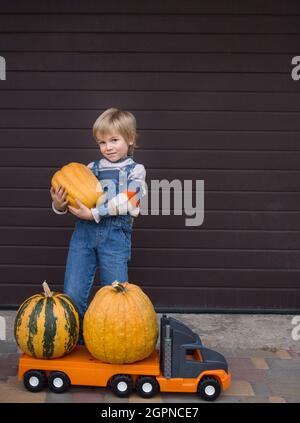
47 325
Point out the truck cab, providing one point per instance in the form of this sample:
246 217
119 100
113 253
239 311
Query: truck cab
188 365
182 352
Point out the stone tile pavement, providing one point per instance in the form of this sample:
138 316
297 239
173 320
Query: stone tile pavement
263 358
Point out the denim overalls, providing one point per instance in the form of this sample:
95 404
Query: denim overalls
106 244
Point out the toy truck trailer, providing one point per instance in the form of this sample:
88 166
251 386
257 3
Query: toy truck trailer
180 364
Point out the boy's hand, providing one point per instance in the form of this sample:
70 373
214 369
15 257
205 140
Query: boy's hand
59 198
83 212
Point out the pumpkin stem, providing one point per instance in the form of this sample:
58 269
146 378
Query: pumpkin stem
47 291
119 286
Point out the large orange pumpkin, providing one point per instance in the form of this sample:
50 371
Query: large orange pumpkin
79 182
120 325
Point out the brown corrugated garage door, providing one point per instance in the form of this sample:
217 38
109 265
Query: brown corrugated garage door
211 87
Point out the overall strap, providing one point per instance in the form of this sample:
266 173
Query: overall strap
95 168
130 167
123 176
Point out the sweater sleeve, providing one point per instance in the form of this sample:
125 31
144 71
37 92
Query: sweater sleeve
58 211
127 201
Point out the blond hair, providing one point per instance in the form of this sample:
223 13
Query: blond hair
119 121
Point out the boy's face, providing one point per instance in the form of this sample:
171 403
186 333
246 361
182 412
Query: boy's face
112 146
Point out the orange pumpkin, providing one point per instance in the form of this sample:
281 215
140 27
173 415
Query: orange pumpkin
79 182
120 325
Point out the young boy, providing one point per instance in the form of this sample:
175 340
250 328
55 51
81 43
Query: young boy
102 235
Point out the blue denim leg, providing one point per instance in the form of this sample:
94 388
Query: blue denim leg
114 249
81 264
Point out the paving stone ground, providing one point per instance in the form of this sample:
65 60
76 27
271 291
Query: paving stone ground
262 372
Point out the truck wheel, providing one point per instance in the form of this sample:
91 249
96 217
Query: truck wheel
58 382
209 389
147 386
34 380
121 385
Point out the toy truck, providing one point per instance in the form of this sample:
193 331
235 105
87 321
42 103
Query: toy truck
180 364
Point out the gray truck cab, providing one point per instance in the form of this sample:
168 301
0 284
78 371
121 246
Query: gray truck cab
182 354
